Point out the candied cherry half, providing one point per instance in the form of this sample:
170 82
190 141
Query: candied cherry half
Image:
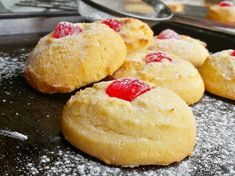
127 88
168 34
113 24
225 4
156 57
232 53
63 29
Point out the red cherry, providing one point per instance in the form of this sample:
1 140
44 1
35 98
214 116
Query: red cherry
112 23
232 53
168 34
156 57
225 4
63 29
127 88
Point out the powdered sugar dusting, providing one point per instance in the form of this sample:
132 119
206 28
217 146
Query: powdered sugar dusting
224 63
10 66
169 45
214 153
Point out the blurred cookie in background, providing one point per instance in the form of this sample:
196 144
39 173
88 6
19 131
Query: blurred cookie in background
175 6
138 6
223 12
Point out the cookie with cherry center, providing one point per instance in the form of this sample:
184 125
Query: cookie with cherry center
223 12
127 122
185 47
161 69
136 34
72 56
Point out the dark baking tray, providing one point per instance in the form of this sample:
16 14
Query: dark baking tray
45 152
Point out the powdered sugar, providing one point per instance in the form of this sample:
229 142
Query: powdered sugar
169 45
10 66
224 63
214 153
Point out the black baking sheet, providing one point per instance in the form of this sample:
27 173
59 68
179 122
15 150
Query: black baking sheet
35 115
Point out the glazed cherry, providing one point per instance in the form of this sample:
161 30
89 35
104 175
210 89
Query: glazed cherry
156 57
113 24
63 29
168 34
232 53
127 88
225 4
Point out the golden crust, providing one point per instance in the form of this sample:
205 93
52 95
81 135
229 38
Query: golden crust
222 14
218 73
157 128
179 75
136 34
187 48
62 65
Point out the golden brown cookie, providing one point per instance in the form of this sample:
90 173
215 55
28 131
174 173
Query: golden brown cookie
185 47
136 34
165 70
74 55
224 12
218 73
125 122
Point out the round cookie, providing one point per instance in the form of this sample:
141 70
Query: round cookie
224 12
218 74
182 46
161 69
74 55
136 34
125 122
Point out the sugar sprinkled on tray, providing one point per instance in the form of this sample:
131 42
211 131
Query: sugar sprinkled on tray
10 66
214 153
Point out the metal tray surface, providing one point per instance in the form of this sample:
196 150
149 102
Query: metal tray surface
26 113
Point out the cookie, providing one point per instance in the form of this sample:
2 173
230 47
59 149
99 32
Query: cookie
165 70
224 12
126 122
185 47
138 6
218 73
136 34
175 6
74 55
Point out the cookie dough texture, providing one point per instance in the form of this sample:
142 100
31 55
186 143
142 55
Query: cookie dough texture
218 73
64 64
222 14
179 75
157 128
187 48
